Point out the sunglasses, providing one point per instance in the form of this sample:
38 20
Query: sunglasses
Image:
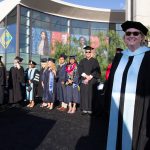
87 52
136 33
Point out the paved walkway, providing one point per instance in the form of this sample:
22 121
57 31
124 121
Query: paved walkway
42 129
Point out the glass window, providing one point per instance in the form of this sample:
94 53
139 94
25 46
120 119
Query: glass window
25 21
59 20
10 38
25 11
40 24
25 58
60 28
40 16
102 26
80 31
79 24
118 27
10 60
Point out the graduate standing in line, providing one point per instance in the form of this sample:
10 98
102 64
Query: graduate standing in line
2 80
32 83
49 84
40 84
72 85
89 73
128 92
16 81
60 83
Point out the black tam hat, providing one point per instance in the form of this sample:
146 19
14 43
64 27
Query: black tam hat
133 24
63 55
88 48
19 58
51 59
43 60
31 62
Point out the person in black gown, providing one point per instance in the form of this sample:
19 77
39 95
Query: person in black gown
89 73
2 80
128 92
16 81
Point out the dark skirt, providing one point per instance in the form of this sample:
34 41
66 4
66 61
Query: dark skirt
72 94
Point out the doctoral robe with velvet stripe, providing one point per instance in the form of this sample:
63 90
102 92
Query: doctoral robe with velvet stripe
128 97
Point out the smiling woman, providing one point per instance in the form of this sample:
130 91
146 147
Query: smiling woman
128 92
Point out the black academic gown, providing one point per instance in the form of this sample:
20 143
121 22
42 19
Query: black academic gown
88 92
15 84
40 88
2 83
141 121
60 88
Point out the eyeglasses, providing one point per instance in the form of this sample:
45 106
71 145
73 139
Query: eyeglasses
87 52
133 33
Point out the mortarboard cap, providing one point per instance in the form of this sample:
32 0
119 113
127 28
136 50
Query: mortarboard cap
43 60
133 24
19 58
88 48
119 50
72 57
51 59
63 55
31 62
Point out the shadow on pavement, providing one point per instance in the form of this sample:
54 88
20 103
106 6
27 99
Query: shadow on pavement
20 130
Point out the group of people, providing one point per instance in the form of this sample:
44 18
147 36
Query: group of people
70 83
127 95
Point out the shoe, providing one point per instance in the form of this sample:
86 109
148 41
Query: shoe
43 105
58 108
89 112
50 108
84 112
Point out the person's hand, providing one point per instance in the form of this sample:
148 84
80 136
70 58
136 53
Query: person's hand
85 81
70 81
89 77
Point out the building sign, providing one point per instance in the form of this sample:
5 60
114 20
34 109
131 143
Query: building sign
5 39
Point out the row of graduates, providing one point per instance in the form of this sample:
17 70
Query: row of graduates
73 83
70 84
61 85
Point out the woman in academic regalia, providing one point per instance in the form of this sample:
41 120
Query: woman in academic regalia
16 81
32 80
2 80
127 94
40 86
49 84
72 85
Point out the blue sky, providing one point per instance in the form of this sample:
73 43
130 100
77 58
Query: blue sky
110 4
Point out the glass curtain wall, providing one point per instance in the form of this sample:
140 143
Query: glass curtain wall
39 33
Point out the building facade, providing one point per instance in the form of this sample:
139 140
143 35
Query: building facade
138 10
30 29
